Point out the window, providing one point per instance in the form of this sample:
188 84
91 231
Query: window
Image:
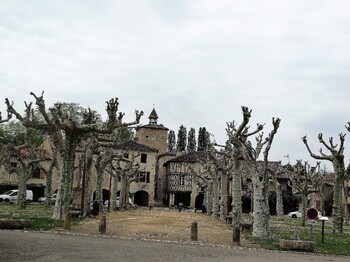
143 158
126 155
13 164
181 180
36 172
143 177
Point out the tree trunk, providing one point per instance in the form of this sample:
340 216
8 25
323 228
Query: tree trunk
346 213
24 171
88 175
215 199
223 194
122 192
68 167
261 209
87 193
113 197
58 210
64 194
338 208
279 199
48 189
338 202
209 198
236 198
322 200
303 208
99 198
127 190
22 189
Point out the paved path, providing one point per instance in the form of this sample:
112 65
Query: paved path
35 246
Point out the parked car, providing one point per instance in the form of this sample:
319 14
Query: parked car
296 214
131 204
42 200
11 196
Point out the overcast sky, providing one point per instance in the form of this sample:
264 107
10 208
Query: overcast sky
197 62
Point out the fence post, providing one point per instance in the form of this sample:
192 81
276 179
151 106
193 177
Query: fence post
67 221
194 231
103 225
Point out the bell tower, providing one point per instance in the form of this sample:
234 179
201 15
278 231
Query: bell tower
153 134
153 117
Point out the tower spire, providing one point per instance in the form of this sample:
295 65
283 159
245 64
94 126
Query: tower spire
153 117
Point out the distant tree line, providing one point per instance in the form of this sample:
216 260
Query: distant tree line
187 142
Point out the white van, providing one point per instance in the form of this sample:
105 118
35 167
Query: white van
11 196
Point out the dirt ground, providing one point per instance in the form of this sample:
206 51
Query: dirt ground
161 224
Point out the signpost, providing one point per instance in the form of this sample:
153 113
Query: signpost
323 219
311 214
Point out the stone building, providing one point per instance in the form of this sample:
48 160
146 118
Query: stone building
182 180
142 188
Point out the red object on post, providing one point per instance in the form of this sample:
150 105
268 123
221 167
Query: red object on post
312 213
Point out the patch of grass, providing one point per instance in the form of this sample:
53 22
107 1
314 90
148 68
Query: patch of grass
42 223
289 228
39 215
334 244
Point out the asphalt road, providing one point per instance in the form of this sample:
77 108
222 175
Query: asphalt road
36 246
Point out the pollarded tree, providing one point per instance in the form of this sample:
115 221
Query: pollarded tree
102 161
76 113
105 144
114 172
171 141
278 188
191 144
303 181
66 133
219 166
212 165
129 173
27 158
54 164
235 137
260 179
21 143
181 139
320 184
336 156
90 146
227 165
279 196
